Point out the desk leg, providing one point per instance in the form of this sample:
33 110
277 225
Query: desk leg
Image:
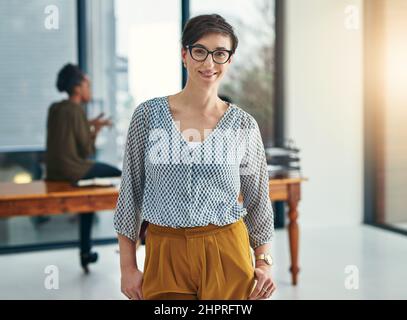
293 199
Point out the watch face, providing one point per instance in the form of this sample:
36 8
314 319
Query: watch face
268 259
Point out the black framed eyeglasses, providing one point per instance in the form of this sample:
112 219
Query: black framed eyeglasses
199 53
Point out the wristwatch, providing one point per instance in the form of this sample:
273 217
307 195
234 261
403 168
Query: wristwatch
266 257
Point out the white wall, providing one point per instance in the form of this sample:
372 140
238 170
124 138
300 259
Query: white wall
324 108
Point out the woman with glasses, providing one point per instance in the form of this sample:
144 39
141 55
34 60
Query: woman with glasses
188 159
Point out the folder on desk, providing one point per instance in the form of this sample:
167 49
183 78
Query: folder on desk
99 182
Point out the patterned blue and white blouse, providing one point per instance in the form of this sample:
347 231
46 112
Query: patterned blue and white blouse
168 182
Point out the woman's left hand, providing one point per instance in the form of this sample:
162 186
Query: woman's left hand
265 285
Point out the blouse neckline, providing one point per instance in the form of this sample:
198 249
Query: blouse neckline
215 129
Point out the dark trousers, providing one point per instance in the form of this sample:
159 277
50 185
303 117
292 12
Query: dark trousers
98 170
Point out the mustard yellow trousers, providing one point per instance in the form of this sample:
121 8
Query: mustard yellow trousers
199 263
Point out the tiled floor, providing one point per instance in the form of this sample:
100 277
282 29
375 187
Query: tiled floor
379 256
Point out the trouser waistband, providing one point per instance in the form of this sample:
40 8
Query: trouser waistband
191 231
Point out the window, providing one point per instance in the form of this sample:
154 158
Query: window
126 62
386 115
36 40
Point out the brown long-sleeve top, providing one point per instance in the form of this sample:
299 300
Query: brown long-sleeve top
69 142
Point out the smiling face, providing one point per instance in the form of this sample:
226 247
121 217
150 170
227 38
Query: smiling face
207 72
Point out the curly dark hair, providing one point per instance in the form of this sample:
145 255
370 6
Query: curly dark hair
69 77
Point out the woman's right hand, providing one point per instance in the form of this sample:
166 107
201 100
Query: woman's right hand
131 281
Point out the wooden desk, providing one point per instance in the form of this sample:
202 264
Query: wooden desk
46 197
41 197
289 190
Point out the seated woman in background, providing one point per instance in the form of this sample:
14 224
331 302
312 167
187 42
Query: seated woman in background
71 144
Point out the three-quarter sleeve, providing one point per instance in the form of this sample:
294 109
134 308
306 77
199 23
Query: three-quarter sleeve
254 186
127 216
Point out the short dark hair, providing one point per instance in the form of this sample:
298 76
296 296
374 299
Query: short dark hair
199 26
69 77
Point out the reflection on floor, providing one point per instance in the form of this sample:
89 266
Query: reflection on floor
379 257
